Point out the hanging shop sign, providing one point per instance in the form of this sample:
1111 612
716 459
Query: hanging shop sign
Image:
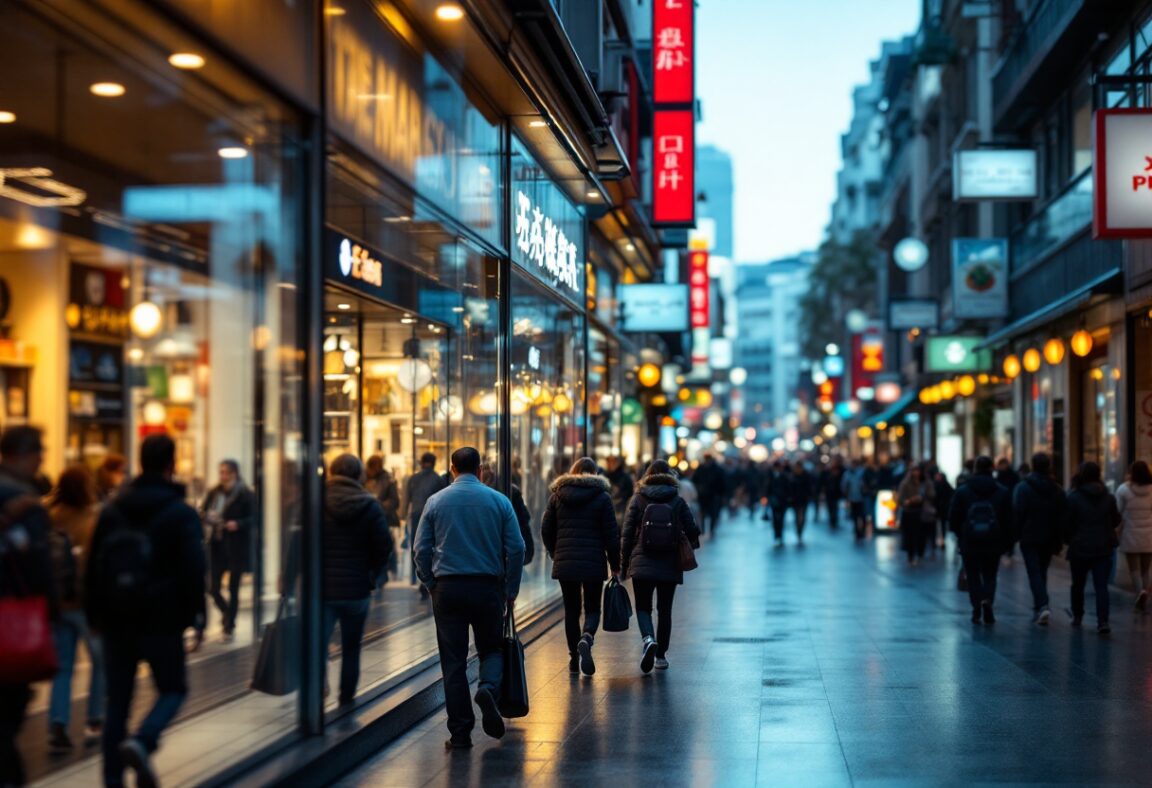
674 168
980 278
401 107
96 302
956 354
905 314
1122 174
547 229
699 287
673 52
867 360
659 307
994 175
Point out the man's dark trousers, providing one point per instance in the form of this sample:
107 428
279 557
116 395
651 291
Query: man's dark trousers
1036 561
460 602
982 566
164 654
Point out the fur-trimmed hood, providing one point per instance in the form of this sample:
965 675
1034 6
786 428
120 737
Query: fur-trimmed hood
580 488
660 480
659 487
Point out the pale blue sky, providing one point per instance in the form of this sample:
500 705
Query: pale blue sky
776 79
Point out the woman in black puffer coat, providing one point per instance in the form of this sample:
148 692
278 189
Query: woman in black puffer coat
655 573
581 535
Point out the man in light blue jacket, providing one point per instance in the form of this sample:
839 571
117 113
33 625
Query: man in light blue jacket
469 553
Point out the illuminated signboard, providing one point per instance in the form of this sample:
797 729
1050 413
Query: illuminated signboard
698 290
956 354
547 229
655 307
867 359
673 52
674 168
994 175
1122 171
980 278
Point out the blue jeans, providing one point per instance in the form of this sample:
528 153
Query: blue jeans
67 632
1036 561
352 615
164 654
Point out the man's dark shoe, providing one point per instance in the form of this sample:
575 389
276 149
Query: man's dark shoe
137 758
648 655
1077 621
975 615
989 618
587 665
492 722
58 739
573 664
1103 628
459 743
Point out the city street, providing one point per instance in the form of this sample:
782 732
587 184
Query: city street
835 664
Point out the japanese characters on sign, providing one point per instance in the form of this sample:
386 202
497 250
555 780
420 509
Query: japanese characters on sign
541 240
674 167
1122 171
673 52
698 290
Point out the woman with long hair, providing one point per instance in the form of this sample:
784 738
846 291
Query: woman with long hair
73 509
582 537
1091 527
1134 500
655 571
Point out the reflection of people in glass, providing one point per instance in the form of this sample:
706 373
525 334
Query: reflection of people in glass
110 476
228 512
522 514
383 485
421 486
581 534
356 549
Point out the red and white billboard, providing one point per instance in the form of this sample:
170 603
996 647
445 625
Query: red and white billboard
699 289
673 52
674 167
1122 171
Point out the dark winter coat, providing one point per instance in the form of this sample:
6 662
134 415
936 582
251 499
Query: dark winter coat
802 489
944 493
780 489
387 492
356 540
24 546
831 481
421 486
1039 506
524 518
1091 520
711 482
982 487
622 488
580 530
232 547
662 567
176 585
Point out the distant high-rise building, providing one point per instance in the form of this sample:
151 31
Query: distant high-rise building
714 183
768 347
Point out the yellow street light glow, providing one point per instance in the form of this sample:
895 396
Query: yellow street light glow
1054 351
189 61
925 396
864 432
1012 367
1031 359
7 117
107 89
649 375
966 386
449 12
947 389
1081 343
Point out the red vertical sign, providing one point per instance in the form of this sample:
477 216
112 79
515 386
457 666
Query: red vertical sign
674 167
673 52
867 359
699 289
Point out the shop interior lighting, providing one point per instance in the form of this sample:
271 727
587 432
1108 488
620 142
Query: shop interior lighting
593 195
449 12
188 61
1081 343
233 152
145 319
1011 367
18 183
344 306
537 124
407 320
630 247
1032 359
335 10
1054 351
107 89
7 117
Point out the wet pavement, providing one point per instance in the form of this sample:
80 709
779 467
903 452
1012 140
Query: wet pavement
832 664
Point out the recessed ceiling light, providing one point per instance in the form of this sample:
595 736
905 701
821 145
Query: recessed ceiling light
343 306
407 320
107 89
459 309
7 117
233 152
593 195
449 12
189 61
537 124
630 247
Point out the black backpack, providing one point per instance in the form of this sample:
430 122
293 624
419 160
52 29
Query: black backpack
64 569
658 530
124 569
981 523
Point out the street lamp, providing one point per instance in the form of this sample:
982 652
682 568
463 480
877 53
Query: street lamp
910 255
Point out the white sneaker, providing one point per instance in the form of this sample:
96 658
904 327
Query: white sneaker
1043 617
661 663
648 657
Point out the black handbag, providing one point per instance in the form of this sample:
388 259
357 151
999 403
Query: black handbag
277 669
617 607
687 555
514 687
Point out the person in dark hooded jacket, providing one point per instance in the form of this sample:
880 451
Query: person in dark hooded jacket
981 517
356 547
581 534
150 528
655 573
1038 503
1091 526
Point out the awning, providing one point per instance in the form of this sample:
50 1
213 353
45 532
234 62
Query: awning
892 413
1057 309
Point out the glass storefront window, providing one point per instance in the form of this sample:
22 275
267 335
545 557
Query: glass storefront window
150 239
604 395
